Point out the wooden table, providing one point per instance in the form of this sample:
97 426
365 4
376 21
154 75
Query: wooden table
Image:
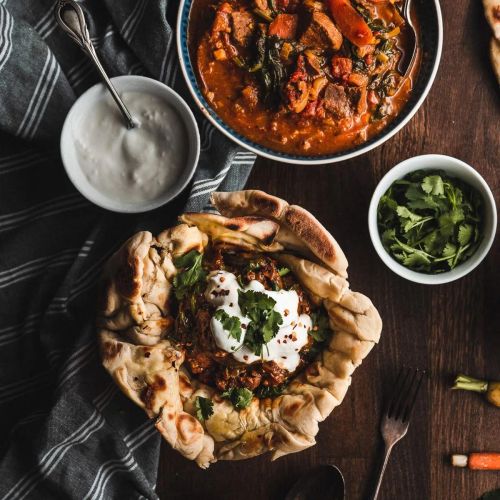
446 329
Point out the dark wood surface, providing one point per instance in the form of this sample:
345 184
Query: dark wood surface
446 329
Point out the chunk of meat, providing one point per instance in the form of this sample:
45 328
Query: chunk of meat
261 5
358 79
336 102
284 26
243 27
322 33
341 67
297 88
250 95
314 62
222 21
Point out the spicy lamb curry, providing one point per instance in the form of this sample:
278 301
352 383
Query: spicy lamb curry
304 77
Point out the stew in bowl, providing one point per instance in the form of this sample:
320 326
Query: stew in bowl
302 78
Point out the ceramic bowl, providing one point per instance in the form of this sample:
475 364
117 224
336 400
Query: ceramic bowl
431 42
79 110
454 168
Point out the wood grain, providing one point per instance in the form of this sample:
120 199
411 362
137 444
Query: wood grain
446 329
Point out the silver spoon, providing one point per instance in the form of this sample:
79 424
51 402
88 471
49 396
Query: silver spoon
69 16
324 482
407 60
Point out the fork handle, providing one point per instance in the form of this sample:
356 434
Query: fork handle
387 453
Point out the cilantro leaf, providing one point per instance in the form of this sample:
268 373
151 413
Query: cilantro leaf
231 324
320 326
264 320
204 408
192 275
433 184
240 397
266 391
464 234
283 271
430 222
271 326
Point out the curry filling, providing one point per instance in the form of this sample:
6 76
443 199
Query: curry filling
195 311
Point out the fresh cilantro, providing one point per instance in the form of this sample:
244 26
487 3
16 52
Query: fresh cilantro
192 275
320 326
240 397
266 391
430 222
283 271
231 324
204 408
264 320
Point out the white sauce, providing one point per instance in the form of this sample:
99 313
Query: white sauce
284 347
135 165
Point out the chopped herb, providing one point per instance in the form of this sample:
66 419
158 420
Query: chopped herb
204 408
265 391
192 275
240 397
231 324
430 222
321 326
283 271
264 320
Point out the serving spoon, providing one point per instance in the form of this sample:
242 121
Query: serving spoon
69 15
324 482
408 57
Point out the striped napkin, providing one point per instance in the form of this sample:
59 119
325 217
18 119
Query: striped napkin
67 431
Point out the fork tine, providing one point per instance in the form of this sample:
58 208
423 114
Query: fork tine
398 391
405 394
412 397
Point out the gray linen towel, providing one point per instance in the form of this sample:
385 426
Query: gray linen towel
67 431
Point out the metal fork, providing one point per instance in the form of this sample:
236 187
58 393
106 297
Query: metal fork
396 419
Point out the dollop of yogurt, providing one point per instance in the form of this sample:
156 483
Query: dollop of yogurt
283 349
138 164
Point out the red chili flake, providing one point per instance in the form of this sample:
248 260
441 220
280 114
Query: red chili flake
284 341
286 312
245 357
222 279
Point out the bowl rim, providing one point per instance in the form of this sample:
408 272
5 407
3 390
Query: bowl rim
192 158
411 165
283 157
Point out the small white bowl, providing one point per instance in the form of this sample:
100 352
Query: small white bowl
454 168
74 119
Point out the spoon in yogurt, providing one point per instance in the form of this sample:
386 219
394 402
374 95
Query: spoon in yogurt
70 17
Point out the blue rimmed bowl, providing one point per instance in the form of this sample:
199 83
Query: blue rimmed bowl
431 42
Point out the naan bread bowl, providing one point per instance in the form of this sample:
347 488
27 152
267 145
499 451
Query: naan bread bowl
139 320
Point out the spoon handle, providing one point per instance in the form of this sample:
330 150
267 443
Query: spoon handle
69 16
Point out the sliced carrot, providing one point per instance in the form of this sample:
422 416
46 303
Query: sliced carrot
350 22
484 461
284 26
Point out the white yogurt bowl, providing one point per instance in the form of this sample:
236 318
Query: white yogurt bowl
454 168
75 121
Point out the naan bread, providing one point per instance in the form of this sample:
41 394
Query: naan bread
495 57
492 14
135 319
